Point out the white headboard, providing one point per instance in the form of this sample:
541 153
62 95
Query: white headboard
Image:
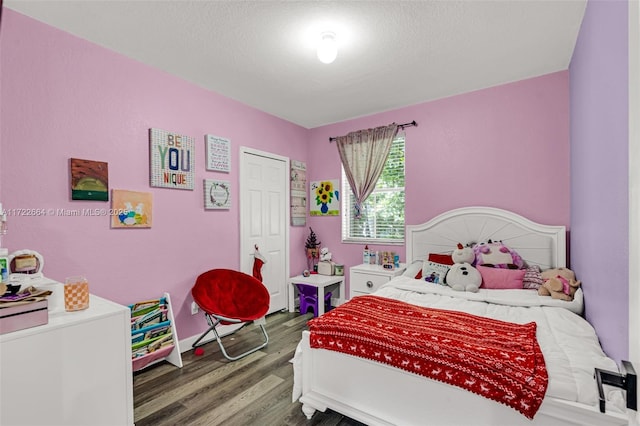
537 244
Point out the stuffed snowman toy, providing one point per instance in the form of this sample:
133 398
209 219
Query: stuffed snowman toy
463 276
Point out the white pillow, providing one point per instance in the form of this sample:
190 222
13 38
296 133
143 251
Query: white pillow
434 273
413 269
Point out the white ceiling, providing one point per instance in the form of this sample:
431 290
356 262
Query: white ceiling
391 53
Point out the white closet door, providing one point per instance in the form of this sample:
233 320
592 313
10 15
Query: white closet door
264 219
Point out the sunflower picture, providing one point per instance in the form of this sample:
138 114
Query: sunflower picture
327 196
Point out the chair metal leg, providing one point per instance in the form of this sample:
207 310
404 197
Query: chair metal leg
212 328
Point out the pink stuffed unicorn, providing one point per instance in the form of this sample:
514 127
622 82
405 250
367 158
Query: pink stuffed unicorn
497 255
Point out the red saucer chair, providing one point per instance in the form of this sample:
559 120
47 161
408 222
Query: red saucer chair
230 297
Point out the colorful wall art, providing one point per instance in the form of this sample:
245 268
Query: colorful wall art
89 180
217 194
172 159
131 209
325 198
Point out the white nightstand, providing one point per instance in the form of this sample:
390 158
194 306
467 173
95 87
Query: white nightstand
365 279
321 282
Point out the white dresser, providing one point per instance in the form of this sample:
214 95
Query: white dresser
365 279
75 370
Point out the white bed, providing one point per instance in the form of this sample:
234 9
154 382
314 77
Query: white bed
378 394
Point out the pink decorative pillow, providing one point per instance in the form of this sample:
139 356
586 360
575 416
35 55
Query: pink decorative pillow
532 278
501 279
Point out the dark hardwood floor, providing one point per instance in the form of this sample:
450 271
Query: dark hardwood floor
210 390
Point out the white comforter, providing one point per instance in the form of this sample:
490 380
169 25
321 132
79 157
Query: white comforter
569 343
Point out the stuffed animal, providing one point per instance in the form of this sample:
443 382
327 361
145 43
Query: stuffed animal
463 254
325 254
497 255
559 283
463 276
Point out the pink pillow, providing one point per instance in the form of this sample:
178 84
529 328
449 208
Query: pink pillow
501 279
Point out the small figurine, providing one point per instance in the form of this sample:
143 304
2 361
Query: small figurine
325 254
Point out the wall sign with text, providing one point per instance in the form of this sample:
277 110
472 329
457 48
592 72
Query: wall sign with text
218 153
172 159
217 194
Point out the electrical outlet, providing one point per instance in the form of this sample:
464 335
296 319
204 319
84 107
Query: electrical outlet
194 308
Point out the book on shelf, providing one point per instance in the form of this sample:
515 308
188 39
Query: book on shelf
155 316
142 308
147 346
150 332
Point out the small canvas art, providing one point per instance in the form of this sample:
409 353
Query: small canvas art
217 194
326 198
131 209
89 180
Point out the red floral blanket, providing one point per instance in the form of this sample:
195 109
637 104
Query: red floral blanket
495 359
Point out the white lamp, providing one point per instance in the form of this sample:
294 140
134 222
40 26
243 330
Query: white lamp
327 49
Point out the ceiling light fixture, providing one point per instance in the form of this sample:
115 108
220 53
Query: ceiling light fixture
327 49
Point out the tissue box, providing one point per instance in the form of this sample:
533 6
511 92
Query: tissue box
326 268
19 317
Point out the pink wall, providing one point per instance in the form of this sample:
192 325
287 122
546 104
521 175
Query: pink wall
63 97
506 146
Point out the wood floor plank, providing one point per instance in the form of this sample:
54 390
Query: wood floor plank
171 393
211 390
224 413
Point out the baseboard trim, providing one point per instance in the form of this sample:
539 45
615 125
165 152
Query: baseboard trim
223 330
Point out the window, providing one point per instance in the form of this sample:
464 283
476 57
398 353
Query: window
382 218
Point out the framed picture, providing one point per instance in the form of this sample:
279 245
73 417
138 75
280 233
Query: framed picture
217 194
171 160
131 209
325 198
218 153
89 180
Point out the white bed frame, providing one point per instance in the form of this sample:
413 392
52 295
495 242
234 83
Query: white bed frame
378 394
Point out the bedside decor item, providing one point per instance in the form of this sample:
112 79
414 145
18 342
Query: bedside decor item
217 194
131 209
325 254
172 159
326 268
327 198
388 259
218 153
313 254
89 180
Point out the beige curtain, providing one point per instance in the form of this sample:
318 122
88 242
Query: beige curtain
363 154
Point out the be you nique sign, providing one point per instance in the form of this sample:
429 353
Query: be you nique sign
172 159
